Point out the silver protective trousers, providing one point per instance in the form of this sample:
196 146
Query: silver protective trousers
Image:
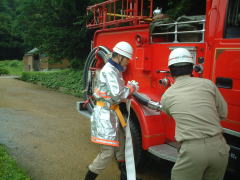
107 153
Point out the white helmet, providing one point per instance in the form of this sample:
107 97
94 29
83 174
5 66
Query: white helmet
123 48
157 11
180 57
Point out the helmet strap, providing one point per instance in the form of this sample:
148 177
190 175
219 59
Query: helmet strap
121 59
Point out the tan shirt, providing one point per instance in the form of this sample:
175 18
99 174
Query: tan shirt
196 105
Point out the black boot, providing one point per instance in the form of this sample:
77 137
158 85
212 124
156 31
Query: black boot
122 168
90 175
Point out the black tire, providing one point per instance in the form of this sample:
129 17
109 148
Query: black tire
140 155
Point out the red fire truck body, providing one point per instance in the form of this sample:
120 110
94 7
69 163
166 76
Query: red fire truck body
212 42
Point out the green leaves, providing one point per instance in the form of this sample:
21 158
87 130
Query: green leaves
10 44
68 81
13 67
3 71
56 27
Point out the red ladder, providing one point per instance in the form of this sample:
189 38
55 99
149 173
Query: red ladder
118 12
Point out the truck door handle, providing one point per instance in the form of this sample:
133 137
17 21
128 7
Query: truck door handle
223 82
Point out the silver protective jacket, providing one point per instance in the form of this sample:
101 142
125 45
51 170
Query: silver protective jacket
110 89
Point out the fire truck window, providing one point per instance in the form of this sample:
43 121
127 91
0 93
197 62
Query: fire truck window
233 19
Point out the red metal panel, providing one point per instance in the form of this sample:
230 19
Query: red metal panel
224 63
227 63
221 18
139 58
152 127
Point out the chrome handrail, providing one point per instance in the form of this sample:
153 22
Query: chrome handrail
176 31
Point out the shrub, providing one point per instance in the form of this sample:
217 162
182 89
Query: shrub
69 81
3 71
14 67
14 63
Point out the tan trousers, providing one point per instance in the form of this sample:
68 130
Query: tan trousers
107 153
203 159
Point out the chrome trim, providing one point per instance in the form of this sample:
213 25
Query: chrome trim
183 22
154 105
231 132
81 110
190 48
176 32
179 32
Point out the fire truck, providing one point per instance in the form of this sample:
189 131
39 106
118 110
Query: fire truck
213 38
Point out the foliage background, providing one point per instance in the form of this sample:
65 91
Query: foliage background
57 27
13 67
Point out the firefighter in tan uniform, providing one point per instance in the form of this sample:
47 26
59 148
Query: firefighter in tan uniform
107 122
197 106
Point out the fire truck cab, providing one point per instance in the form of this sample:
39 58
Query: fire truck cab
213 38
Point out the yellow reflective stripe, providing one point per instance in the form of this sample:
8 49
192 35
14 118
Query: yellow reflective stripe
115 108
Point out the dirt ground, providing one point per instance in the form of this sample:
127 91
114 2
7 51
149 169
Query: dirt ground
49 138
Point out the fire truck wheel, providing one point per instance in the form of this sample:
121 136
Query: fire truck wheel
140 155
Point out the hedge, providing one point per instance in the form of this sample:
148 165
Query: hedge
13 67
68 81
3 71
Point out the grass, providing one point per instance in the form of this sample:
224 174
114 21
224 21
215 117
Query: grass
14 67
9 170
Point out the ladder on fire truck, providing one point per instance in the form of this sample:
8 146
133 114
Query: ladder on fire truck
119 12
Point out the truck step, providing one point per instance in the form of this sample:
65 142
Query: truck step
82 109
164 151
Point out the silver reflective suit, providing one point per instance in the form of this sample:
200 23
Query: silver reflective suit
110 89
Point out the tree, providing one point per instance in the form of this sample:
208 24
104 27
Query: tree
56 27
177 8
11 46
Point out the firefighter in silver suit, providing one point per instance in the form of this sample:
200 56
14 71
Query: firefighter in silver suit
107 121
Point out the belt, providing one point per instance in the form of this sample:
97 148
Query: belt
204 140
116 109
